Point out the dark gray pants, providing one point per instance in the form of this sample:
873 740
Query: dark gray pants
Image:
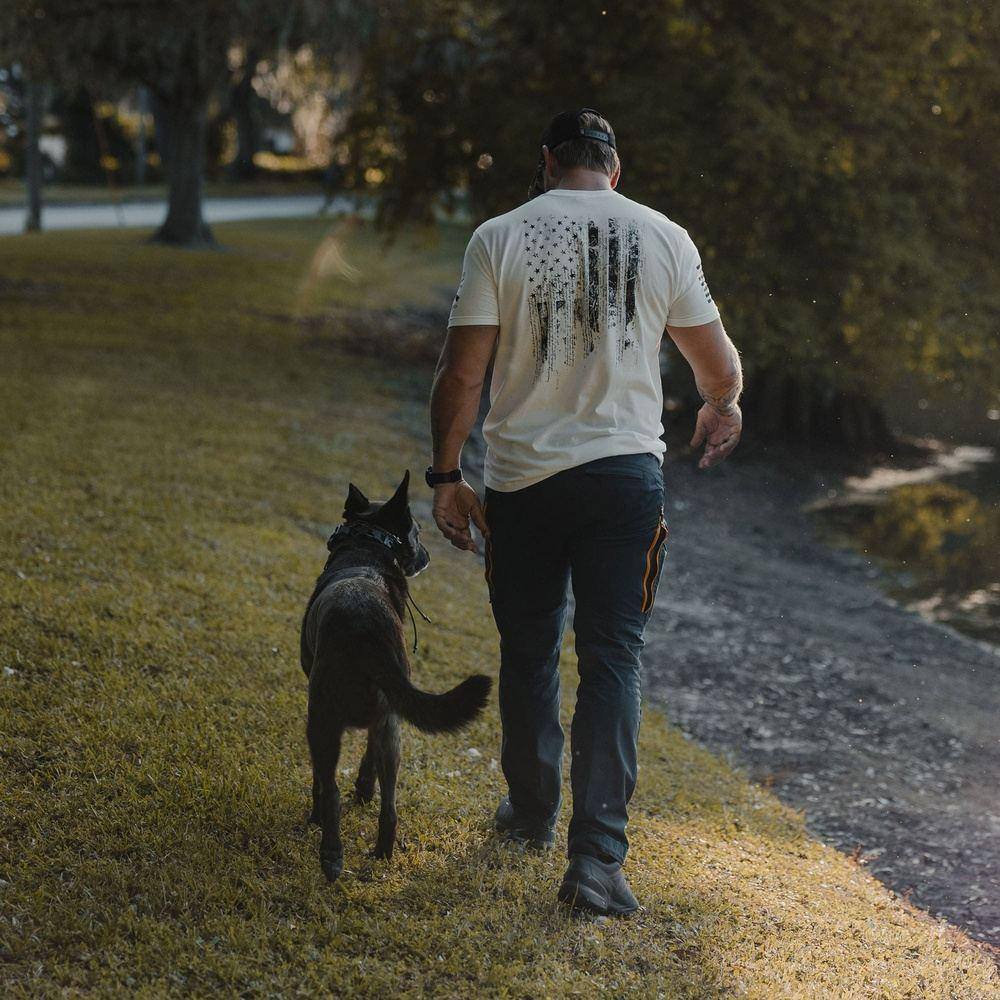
600 527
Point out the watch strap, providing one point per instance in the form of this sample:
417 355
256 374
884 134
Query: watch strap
433 478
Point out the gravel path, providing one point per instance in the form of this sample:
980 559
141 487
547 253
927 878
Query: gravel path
769 647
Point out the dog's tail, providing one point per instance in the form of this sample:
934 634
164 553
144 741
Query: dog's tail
433 713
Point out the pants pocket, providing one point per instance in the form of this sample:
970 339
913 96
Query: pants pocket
488 555
654 564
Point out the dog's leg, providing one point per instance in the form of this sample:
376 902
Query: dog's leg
316 816
387 765
364 785
324 746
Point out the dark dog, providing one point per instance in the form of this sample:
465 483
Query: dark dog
359 674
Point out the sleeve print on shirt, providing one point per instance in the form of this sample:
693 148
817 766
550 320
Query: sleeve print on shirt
458 291
582 281
703 284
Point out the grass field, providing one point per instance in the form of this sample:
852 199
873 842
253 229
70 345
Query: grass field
173 454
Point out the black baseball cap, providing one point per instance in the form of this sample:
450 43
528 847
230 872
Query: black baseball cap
566 126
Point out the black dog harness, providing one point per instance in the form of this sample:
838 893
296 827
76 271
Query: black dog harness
393 543
369 531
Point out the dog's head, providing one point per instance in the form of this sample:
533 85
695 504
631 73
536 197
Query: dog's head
392 515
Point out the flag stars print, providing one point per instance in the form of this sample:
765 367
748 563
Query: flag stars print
582 281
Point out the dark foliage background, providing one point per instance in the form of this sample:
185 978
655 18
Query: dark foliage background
833 160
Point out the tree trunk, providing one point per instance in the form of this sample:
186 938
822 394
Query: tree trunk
34 101
186 123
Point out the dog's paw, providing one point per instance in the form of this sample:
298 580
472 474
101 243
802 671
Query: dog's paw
332 866
382 852
364 792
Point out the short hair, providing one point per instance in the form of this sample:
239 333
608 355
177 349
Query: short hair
591 154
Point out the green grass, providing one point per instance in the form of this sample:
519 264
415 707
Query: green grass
173 454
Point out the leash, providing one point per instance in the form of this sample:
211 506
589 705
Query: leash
410 601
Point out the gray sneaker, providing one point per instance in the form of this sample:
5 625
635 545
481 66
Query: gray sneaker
597 887
514 830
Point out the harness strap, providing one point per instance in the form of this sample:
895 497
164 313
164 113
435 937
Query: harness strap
368 531
392 542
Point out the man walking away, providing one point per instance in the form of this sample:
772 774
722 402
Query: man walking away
573 291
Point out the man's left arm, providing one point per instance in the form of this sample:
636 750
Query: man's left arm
718 375
458 386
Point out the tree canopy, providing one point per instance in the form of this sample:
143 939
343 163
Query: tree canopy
179 50
832 158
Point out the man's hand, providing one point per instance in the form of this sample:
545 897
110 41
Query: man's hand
721 432
454 505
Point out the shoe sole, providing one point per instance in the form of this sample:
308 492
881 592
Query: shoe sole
580 897
532 843
521 837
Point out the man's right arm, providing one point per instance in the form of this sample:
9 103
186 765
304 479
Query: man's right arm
458 383
718 375
473 327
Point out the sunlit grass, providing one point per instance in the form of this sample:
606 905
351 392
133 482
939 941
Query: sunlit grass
173 454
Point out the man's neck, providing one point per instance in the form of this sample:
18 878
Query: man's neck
582 180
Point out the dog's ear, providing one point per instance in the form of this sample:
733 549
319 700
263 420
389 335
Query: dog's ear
399 502
357 502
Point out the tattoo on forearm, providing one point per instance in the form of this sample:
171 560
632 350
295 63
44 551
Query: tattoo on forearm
724 402
726 391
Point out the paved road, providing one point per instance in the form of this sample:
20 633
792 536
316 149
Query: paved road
151 213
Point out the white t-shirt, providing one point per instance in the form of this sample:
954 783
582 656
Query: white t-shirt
581 284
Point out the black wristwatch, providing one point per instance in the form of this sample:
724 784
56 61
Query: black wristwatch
433 478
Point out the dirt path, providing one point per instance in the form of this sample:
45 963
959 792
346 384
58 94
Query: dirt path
783 655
